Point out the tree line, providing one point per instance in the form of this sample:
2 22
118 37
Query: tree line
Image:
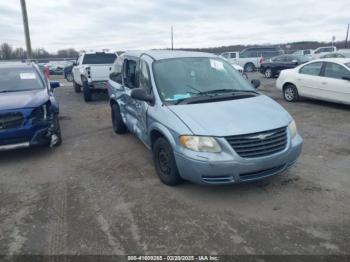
7 52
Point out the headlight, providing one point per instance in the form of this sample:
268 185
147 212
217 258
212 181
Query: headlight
293 129
200 144
39 114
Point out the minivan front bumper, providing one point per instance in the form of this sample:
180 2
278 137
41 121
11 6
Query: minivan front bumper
238 170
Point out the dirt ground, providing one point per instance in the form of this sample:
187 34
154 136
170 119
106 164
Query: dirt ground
98 193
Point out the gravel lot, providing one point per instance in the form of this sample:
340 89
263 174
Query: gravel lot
99 194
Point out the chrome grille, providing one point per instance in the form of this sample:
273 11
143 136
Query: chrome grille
259 144
11 120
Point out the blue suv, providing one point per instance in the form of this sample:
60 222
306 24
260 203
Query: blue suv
200 118
28 108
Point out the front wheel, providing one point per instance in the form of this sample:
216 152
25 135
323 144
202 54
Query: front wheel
57 132
290 93
165 164
118 124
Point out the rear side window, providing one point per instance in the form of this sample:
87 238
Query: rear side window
313 69
19 79
333 70
233 55
99 59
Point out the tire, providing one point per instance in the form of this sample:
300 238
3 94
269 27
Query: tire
164 162
86 91
249 67
57 131
118 124
268 73
69 77
77 88
290 93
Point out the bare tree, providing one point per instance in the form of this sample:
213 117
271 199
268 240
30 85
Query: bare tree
5 51
19 53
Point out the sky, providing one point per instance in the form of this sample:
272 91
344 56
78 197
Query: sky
145 24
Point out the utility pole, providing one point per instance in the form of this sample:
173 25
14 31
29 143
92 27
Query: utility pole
172 38
347 35
26 29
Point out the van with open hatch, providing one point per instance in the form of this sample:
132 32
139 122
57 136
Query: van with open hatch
200 118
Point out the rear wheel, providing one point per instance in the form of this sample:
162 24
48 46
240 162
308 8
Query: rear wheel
268 73
118 124
165 164
290 93
69 77
249 67
77 88
86 90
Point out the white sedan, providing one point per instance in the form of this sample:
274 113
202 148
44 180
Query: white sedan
324 79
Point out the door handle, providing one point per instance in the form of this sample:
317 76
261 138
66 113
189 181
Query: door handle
324 83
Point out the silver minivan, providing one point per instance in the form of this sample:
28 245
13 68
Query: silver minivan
200 118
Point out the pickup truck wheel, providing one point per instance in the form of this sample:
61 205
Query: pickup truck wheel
290 93
69 77
165 164
118 124
249 67
268 73
77 88
86 91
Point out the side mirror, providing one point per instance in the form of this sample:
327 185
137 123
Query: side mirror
256 83
141 94
116 77
54 84
346 78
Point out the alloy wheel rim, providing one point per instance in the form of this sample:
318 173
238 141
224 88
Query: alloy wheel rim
289 94
268 73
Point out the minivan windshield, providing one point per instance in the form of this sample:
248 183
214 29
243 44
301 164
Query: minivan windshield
19 79
99 59
181 78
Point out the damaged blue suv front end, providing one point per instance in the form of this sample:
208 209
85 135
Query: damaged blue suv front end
28 109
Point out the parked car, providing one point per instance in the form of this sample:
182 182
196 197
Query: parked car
325 79
305 55
91 72
202 121
276 64
344 52
323 51
333 55
28 108
251 58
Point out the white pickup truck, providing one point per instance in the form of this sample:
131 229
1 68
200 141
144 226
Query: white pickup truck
92 71
251 58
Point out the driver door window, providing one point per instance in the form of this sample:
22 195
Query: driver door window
129 73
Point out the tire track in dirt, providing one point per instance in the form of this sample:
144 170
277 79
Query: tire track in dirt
57 219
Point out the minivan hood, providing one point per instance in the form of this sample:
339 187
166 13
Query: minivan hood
24 99
233 117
